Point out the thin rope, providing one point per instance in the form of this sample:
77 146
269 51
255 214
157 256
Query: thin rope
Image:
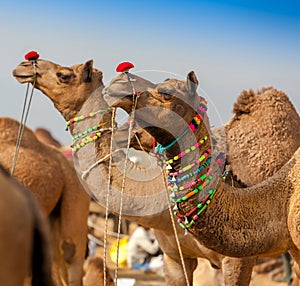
142 148
107 194
23 120
124 174
139 142
87 171
176 236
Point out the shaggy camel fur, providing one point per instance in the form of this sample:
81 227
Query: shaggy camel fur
23 229
262 118
258 221
53 181
162 223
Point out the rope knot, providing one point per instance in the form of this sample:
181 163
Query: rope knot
159 149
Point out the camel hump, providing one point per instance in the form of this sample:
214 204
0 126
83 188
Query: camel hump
244 102
249 100
10 127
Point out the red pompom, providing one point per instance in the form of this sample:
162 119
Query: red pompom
125 66
32 55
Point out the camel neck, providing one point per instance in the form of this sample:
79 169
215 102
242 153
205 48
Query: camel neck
192 174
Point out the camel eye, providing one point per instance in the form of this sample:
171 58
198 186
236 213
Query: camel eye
167 96
63 77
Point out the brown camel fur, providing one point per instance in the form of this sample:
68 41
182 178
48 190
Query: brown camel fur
160 221
23 229
46 137
263 117
53 181
94 273
258 221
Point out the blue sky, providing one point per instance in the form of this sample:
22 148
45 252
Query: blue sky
231 45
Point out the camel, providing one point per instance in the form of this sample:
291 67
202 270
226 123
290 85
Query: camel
146 209
24 229
257 221
48 175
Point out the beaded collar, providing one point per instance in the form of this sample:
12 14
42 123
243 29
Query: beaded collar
205 181
88 115
91 134
198 118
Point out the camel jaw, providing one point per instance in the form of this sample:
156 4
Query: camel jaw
24 78
124 102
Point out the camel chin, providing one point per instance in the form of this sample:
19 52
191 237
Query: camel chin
24 79
123 101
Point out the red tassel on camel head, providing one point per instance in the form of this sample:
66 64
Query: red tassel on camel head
32 56
124 67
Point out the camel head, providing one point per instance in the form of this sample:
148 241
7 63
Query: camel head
172 101
120 92
67 87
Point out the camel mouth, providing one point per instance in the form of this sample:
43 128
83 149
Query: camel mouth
124 102
22 77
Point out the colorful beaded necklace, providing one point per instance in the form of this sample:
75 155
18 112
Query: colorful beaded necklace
188 219
88 115
91 134
198 118
92 137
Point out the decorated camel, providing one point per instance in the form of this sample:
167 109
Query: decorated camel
47 174
143 204
23 228
251 222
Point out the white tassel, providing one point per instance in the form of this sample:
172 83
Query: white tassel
186 221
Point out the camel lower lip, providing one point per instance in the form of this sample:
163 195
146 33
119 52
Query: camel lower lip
23 78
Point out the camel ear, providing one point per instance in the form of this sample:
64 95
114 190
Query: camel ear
87 71
192 82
